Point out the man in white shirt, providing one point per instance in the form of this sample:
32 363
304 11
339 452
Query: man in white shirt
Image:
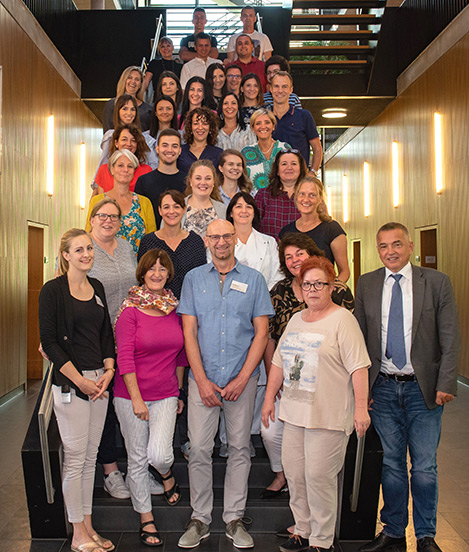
262 46
409 319
198 66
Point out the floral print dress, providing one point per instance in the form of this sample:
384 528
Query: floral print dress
132 227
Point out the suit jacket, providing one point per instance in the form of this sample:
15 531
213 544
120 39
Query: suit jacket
56 327
435 328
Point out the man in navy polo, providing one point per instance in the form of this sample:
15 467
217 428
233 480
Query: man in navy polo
294 126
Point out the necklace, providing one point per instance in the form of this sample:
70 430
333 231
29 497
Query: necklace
268 150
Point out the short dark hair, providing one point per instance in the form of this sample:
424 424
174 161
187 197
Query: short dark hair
275 184
277 60
246 35
176 195
199 10
256 221
248 8
300 240
234 66
201 36
169 132
393 226
149 259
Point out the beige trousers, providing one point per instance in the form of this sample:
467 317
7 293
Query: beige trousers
312 460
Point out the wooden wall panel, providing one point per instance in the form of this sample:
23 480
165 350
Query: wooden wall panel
409 119
32 90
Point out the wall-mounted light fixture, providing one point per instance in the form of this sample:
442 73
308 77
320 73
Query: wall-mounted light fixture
345 209
366 189
50 156
82 174
395 174
329 199
334 113
439 184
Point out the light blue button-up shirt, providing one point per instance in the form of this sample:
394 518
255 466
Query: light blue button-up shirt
224 318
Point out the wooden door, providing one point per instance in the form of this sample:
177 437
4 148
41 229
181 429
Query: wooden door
35 281
428 251
357 264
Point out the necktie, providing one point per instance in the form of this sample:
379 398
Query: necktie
395 344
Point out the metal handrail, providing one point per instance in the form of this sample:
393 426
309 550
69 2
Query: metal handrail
357 475
259 22
44 415
159 26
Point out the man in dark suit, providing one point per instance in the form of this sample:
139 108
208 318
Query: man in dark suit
409 319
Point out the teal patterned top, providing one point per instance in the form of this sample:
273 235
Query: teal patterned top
132 227
257 164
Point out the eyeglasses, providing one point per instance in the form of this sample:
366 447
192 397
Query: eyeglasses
289 150
271 73
233 76
215 238
318 286
103 217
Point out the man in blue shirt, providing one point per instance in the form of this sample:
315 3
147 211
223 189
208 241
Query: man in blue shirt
294 126
225 307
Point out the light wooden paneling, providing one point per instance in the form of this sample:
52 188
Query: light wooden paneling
32 90
409 120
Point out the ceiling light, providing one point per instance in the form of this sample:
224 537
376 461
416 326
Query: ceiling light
334 113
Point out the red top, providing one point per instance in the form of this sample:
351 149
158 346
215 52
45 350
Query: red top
276 212
255 66
105 179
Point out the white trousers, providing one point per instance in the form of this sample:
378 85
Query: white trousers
80 425
312 460
272 438
146 442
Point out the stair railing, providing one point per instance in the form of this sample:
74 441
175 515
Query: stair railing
154 49
44 416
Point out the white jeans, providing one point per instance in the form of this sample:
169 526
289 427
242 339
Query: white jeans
272 438
146 442
81 426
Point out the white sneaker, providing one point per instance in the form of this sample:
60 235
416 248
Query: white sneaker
156 488
114 484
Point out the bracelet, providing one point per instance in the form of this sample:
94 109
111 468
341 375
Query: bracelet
112 370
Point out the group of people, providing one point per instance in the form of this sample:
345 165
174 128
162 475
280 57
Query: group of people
211 283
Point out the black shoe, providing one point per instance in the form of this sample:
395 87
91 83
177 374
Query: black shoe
427 544
319 549
295 543
383 543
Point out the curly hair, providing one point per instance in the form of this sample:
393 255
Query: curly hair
239 116
140 95
120 102
244 184
260 95
203 163
301 241
169 75
185 100
142 148
155 122
321 208
275 186
201 113
256 221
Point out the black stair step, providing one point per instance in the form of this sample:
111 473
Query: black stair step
307 19
110 514
332 35
352 64
331 50
338 4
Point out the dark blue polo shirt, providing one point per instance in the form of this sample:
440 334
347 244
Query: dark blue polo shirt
297 128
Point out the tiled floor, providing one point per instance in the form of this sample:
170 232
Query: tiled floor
453 458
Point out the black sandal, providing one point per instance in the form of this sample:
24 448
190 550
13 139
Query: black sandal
145 535
174 489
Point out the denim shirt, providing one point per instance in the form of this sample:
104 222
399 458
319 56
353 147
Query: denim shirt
224 318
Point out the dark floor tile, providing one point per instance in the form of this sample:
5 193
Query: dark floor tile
262 543
32 546
210 544
348 546
49 546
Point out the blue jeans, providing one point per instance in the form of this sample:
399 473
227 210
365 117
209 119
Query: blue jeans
404 422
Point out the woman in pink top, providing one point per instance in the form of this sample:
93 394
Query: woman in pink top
151 360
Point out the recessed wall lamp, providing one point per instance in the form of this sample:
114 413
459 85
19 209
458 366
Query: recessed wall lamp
334 113
50 156
395 174
345 210
329 199
438 139
82 175
366 189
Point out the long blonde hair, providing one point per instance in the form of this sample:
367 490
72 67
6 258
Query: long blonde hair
203 163
140 95
65 243
322 207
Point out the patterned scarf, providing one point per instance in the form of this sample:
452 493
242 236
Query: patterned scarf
142 298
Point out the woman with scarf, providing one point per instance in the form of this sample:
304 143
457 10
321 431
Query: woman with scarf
148 382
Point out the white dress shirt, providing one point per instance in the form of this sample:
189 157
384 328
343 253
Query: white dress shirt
196 67
405 282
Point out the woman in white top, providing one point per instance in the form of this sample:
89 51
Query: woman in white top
233 132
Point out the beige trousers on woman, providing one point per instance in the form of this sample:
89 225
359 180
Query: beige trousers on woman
312 460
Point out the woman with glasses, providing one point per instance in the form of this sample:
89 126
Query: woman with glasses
277 202
314 221
321 363
287 299
260 155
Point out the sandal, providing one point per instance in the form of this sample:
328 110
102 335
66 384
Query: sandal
105 544
145 535
86 547
173 491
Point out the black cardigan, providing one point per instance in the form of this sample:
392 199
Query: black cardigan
56 327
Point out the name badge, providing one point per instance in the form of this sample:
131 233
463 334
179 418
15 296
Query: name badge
239 286
98 300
